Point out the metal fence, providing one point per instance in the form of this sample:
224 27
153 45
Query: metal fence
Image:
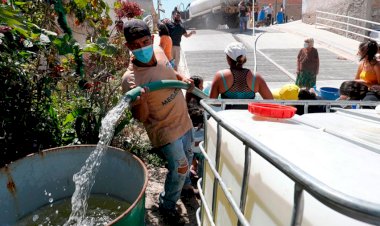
348 25
358 209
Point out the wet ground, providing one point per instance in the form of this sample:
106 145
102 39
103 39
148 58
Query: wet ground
186 207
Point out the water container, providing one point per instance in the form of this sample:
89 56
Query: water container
329 93
23 183
348 167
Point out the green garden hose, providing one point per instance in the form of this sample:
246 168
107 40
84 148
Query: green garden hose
163 84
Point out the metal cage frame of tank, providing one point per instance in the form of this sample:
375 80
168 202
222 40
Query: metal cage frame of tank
352 207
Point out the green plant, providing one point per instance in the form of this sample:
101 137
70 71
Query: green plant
28 120
47 101
54 91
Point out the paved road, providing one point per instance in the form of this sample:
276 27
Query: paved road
204 56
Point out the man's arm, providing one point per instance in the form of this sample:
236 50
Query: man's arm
139 107
184 79
188 34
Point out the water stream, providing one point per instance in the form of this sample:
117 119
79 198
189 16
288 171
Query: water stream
85 178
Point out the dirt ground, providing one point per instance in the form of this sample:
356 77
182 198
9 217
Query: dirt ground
186 207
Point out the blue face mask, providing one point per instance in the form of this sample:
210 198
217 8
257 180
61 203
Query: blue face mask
144 55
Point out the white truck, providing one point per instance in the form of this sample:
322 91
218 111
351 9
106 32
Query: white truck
211 13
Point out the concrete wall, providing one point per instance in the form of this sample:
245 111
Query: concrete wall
376 11
363 9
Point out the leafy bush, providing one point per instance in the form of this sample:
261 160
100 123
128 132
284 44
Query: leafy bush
53 91
127 9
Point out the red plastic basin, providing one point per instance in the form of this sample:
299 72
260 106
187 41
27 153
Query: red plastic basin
272 110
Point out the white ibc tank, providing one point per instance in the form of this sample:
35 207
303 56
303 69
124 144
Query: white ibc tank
343 165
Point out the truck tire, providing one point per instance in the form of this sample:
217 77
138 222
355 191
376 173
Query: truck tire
232 21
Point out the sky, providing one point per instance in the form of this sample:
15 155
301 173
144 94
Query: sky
168 6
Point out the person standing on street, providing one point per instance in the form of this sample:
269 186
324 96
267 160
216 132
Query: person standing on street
262 17
238 82
280 16
243 18
176 30
307 65
269 12
166 42
163 112
255 12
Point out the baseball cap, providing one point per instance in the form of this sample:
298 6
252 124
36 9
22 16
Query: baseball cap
135 29
235 49
286 92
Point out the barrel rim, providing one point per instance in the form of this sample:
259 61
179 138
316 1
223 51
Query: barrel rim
62 148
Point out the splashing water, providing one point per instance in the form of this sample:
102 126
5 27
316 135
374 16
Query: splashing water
85 178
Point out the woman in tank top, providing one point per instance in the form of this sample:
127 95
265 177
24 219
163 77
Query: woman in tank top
238 82
369 68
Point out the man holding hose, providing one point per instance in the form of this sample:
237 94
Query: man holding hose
163 112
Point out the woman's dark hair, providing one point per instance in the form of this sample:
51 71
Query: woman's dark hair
162 29
353 89
238 62
197 80
305 94
368 50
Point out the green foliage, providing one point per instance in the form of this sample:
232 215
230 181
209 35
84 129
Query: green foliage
44 102
54 92
10 17
134 139
28 120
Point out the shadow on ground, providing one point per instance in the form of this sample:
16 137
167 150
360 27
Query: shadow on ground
187 207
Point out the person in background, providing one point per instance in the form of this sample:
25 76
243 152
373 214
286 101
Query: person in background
166 42
352 90
237 82
293 92
163 113
175 10
196 114
307 65
262 16
176 30
369 69
243 18
280 16
269 12
255 12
